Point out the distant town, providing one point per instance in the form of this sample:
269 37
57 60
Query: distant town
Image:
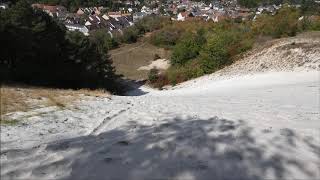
87 19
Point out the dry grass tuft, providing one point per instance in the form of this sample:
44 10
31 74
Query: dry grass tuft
13 98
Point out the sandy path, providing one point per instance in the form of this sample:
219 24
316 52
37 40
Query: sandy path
262 126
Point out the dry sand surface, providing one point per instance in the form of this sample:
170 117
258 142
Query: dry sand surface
158 64
242 123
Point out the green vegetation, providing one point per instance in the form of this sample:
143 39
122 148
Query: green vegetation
249 3
147 24
39 52
104 39
153 75
307 6
132 33
171 34
284 23
8 122
188 47
199 49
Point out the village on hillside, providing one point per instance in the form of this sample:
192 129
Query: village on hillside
87 19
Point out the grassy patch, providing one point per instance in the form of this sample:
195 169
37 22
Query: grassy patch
8 122
25 98
129 57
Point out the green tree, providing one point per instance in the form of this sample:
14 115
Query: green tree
218 49
130 34
104 40
38 51
187 48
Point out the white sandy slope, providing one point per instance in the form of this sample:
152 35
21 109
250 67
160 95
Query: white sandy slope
246 127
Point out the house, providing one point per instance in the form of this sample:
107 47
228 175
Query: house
72 18
115 14
93 22
136 3
146 10
77 27
53 11
105 17
138 15
128 3
124 22
182 16
89 10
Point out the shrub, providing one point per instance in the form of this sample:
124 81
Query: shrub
284 23
187 48
156 56
217 52
178 74
190 70
311 23
166 37
184 50
104 40
153 75
151 23
130 34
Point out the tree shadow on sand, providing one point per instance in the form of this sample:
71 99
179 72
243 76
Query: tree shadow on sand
187 148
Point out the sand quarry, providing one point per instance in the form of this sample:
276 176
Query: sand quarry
256 119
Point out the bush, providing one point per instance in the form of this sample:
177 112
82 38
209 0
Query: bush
221 47
153 75
187 48
166 37
156 56
310 23
147 24
215 54
130 34
170 34
190 70
178 74
284 23
104 39
151 23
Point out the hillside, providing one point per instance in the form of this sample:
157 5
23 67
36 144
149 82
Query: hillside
300 53
256 119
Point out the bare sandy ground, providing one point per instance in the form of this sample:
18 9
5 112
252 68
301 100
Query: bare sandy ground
249 126
158 64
